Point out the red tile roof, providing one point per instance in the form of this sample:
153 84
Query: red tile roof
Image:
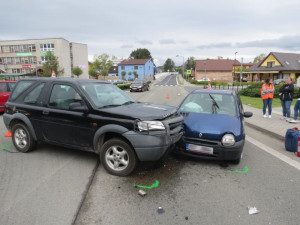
216 64
134 61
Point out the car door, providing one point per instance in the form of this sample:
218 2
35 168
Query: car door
61 125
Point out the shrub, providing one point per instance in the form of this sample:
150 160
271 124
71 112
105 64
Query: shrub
124 86
149 81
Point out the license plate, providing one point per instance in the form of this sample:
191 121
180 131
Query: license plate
199 149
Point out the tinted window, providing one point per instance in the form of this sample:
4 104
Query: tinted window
203 103
62 96
11 86
33 96
21 86
3 87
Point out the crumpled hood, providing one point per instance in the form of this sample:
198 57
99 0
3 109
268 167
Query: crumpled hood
212 126
141 110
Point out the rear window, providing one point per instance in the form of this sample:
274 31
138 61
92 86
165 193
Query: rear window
3 87
20 87
11 86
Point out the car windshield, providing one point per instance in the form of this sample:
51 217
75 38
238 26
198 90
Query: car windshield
138 82
209 103
106 95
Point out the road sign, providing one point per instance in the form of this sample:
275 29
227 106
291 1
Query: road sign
189 72
26 66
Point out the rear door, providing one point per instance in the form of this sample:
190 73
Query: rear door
59 124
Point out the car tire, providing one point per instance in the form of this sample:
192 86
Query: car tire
237 161
118 157
22 138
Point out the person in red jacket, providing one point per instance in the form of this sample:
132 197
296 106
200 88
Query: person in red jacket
267 95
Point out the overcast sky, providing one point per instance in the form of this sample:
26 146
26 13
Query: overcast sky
203 29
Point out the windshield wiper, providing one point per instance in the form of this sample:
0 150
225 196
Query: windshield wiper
107 106
214 105
128 102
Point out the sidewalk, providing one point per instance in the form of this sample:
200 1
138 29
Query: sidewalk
274 126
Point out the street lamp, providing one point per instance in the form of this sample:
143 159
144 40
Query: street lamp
204 69
234 65
182 64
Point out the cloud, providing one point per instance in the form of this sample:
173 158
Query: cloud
144 42
217 45
184 42
127 46
284 42
167 41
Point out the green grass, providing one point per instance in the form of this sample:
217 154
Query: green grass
258 102
179 81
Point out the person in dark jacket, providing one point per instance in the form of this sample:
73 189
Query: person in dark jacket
286 93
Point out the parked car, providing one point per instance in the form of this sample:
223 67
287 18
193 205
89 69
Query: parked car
5 89
116 82
93 116
204 79
213 125
279 81
139 85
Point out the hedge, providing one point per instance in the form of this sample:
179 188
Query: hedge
254 90
124 86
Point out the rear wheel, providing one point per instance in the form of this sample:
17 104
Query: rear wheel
22 139
118 157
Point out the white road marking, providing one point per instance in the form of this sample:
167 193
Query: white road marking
273 152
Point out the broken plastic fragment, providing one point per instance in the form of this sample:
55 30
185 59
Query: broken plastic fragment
252 210
160 210
142 193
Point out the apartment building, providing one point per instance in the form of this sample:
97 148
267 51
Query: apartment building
27 56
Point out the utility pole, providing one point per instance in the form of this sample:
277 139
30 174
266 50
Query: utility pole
241 71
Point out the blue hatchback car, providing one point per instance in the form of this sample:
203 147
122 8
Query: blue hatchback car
213 125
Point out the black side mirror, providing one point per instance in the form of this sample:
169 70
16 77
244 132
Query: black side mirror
248 114
78 107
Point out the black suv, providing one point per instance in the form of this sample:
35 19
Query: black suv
93 116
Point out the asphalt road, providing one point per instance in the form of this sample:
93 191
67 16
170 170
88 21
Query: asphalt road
168 81
198 191
48 185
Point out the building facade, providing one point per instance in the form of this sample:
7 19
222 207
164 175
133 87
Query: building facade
276 65
143 68
27 56
215 69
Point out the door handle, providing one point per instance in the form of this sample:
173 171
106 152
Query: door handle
45 112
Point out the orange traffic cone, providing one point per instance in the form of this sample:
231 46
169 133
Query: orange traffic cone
209 86
8 134
168 96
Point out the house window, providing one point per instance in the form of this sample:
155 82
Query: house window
32 48
17 60
8 60
23 48
47 47
15 48
135 67
123 68
270 64
6 48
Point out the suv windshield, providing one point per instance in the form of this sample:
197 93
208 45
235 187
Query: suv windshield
105 95
209 104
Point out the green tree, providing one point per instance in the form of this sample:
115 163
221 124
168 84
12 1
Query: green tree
51 63
169 65
259 58
93 73
141 53
135 74
123 73
190 63
77 71
102 63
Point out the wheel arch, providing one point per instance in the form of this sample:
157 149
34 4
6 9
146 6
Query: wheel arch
20 118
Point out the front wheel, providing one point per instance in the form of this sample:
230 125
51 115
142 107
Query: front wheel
237 161
22 139
118 157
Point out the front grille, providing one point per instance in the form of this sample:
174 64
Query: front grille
174 124
197 141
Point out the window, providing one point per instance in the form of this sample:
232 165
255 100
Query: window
11 86
24 60
16 70
23 48
32 48
3 87
123 68
17 60
47 47
32 97
1 60
22 86
8 60
62 96
135 67
6 48
15 48
270 64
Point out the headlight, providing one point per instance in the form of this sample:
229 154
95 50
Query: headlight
150 125
228 140
139 86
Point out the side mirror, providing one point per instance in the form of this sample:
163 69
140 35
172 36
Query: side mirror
248 114
78 107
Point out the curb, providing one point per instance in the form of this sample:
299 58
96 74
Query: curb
269 133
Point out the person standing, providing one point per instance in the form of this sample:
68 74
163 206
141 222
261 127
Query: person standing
296 109
286 93
267 95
